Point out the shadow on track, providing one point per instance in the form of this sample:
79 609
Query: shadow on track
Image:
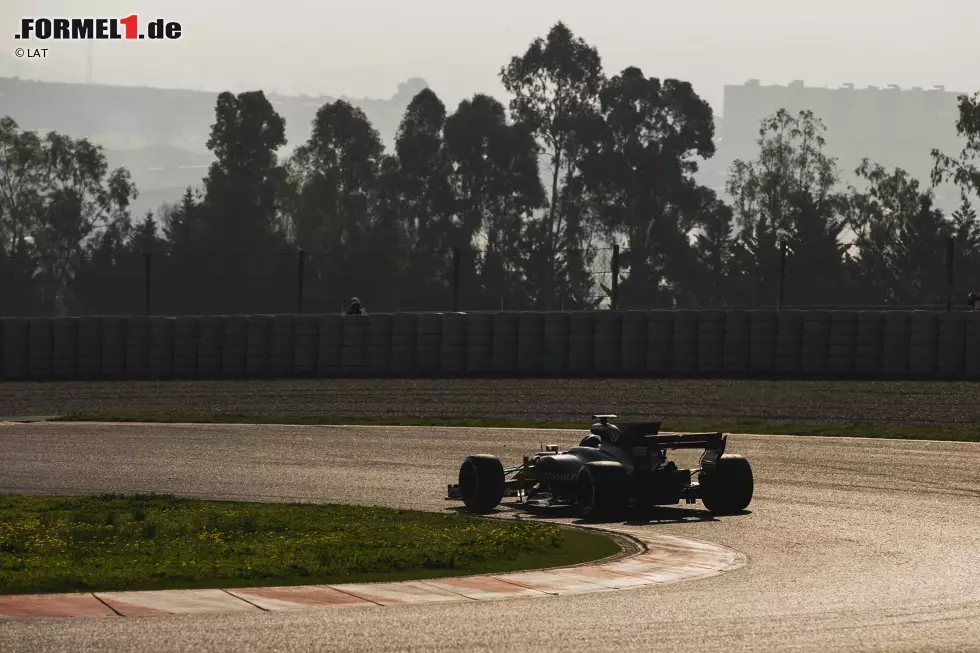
651 516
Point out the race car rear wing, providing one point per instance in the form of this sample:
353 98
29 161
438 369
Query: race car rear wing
710 441
647 434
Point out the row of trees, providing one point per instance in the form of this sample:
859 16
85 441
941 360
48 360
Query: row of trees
523 197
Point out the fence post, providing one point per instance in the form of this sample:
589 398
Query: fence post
950 250
455 280
300 271
146 283
395 299
782 274
614 300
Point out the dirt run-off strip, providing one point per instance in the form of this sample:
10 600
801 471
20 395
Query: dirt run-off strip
935 410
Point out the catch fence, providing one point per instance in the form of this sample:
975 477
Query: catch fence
301 282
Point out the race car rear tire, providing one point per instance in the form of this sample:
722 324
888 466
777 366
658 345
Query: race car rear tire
601 490
481 482
726 488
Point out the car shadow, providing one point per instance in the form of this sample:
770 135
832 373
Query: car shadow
656 516
495 512
651 516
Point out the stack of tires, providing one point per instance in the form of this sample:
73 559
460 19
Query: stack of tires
379 344
18 344
711 341
161 347
113 346
281 347
428 350
452 352
479 343
971 361
738 333
815 349
186 340
209 341
354 353
607 352
581 342
869 342
897 339
138 347
607 343
66 347
330 345
504 343
258 346
763 327
90 347
660 338
556 343
306 345
633 350
951 355
234 345
789 341
923 341
530 343
404 333
41 348
684 347
842 343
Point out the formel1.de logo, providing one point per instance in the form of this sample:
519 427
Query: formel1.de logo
84 29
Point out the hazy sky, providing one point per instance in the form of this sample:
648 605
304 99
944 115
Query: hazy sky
364 48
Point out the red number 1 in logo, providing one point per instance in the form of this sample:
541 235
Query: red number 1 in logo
130 23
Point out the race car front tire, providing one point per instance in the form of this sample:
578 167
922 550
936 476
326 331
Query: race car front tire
481 482
601 490
726 488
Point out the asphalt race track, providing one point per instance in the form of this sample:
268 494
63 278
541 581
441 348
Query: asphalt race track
852 545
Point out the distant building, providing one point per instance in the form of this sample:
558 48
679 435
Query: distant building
892 126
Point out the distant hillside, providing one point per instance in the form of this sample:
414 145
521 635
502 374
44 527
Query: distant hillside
123 117
160 135
161 173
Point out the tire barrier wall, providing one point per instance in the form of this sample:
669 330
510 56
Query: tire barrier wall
708 343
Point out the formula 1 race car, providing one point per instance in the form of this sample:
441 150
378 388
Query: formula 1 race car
613 468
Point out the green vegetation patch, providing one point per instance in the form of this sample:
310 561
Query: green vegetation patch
113 542
868 429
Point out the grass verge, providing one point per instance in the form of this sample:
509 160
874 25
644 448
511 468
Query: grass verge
738 425
114 542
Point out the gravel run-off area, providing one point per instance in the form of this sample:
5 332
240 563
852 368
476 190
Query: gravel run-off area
940 403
